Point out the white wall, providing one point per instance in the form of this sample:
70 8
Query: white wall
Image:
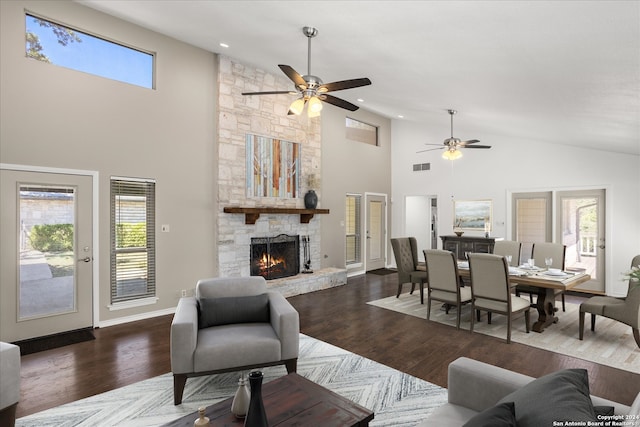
520 165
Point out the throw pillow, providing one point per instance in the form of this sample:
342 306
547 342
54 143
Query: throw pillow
228 310
560 396
501 415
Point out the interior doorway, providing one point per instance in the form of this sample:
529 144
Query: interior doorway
47 253
376 231
421 220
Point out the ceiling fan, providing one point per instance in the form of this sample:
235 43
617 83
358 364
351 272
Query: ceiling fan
311 89
452 144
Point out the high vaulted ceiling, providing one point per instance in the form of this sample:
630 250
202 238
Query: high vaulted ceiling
565 72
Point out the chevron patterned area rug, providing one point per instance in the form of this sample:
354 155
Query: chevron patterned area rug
396 398
611 344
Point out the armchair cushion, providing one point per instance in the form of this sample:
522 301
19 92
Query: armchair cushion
559 396
230 310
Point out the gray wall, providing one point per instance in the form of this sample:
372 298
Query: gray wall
350 167
60 118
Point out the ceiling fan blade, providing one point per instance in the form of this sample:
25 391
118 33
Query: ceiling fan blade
471 141
476 146
426 143
344 84
293 75
338 102
273 92
430 149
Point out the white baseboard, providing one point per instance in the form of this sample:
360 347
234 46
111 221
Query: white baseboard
135 317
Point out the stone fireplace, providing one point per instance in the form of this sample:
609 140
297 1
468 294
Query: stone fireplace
275 257
238 116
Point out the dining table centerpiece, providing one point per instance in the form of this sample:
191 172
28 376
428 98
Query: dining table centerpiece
633 275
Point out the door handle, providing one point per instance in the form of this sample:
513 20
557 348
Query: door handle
85 259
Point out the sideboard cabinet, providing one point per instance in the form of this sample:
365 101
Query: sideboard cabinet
461 244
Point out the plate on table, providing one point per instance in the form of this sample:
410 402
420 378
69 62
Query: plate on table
555 273
527 267
463 264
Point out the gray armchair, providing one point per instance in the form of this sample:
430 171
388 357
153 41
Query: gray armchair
232 324
625 310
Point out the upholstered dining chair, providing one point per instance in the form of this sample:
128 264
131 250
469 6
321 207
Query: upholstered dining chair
232 324
540 251
508 248
443 282
405 251
625 310
491 290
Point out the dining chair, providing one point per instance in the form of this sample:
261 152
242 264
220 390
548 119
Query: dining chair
491 290
539 252
443 282
405 251
625 310
508 248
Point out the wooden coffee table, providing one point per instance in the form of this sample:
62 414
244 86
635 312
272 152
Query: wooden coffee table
288 401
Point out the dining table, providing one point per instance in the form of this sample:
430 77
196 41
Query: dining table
546 281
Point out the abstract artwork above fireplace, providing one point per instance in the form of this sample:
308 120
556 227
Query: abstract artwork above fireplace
273 167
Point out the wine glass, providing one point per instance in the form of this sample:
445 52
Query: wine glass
508 257
548 261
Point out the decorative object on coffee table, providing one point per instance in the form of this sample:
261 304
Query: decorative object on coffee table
202 420
256 416
240 404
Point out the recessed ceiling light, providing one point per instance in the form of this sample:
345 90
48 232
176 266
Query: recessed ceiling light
400 116
224 45
360 100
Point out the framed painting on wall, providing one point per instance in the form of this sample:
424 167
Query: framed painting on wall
273 167
474 215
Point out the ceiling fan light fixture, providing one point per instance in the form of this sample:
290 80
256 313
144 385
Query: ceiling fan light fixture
314 107
452 154
297 106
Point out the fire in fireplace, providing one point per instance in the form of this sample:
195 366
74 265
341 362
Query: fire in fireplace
275 257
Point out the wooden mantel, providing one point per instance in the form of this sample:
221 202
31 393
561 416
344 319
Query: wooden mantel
251 215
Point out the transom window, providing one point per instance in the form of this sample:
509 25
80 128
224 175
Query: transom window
361 132
58 44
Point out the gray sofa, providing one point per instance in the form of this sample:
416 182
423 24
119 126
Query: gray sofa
9 383
475 386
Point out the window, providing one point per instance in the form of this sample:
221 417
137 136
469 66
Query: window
58 44
361 132
352 229
133 272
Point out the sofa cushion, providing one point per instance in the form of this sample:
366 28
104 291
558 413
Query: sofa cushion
560 396
230 310
501 415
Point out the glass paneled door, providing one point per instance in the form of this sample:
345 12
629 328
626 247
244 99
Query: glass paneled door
376 232
47 257
580 226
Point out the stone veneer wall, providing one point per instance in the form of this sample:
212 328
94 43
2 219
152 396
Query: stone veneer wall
265 115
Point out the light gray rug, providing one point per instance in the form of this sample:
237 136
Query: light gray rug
611 344
397 399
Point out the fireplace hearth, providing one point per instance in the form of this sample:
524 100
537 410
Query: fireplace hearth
275 257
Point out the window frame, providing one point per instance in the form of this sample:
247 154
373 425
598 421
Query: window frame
28 14
357 227
133 187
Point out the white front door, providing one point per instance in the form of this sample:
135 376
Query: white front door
375 232
46 267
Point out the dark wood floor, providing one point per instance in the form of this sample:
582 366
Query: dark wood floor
125 354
